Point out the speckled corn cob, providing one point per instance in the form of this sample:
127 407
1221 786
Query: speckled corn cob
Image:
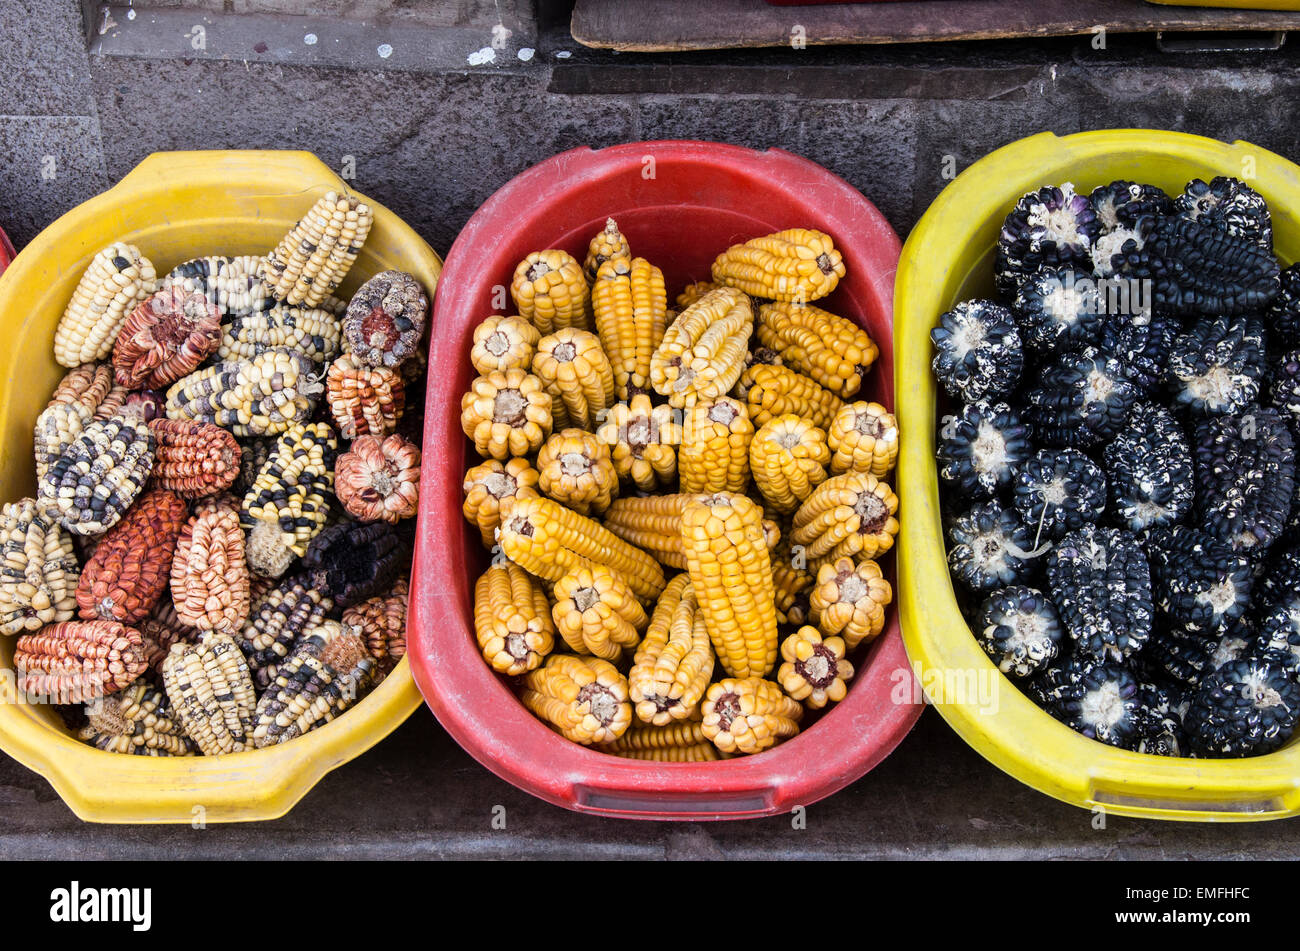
849 600
113 403
693 292
545 538
503 343
165 336
575 371
731 573
675 743
512 620
608 245
830 349
118 278
289 501
575 469
596 612
490 487
254 454
87 384
792 582
209 577
137 720
263 396
56 428
642 441
311 260
815 671
674 662
98 476
550 291
798 265
772 391
277 621
703 352
863 438
714 455
379 479
364 401
506 413
583 698
788 457
381 621
161 630
385 319
314 332
127 575
78 661
211 693
38 569
847 516
231 283
194 459
630 307
748 715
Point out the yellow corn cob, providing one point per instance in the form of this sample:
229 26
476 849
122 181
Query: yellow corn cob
641 738
847 516
642 441
830 349
699 753
549 540
489 487
703 352
798 265
551 292
758 356
583 698
715 446
654 523
575 371
507 413
575 469
748 715
863 438
792 582
788 457
119 277
608 245
311 260
693 292
774 391
596 612
731 572
849 600
814 671
512 620
674 662
503 343
631 311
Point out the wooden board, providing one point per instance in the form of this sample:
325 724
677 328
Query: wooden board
659 26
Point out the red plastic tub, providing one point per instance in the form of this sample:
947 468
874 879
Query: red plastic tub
680 204
7 252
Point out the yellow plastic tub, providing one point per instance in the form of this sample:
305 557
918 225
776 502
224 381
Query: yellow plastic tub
949 258
175 206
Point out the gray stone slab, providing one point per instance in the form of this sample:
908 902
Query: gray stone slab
43 59
48 164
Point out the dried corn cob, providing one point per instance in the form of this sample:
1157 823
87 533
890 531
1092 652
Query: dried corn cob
850 515
583 698
506 414
814 671
642 441
127 575
192 458
313 332
630 307
289 501
56 428
798 265
652 523
263 396
703 352
748 715
503 343
160 631
137 720
78 661
608 245
118 278
381 620
775 391
693 292
849 600
575 371
146 405
551 292
574 468
254 454
353 562
832 350
99 475
596 612
549 540
211 693
364 401
490 487
788 457
209 577
731 573
87 384
700 753
166 336
863 438
277 621
715 446
792 583
38 569
385 319
675 743
379 480
674 662
512 620
231 283
311 260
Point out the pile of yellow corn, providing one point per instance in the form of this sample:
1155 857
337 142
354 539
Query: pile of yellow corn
683 508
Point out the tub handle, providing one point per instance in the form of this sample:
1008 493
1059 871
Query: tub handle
1253 804
630 803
